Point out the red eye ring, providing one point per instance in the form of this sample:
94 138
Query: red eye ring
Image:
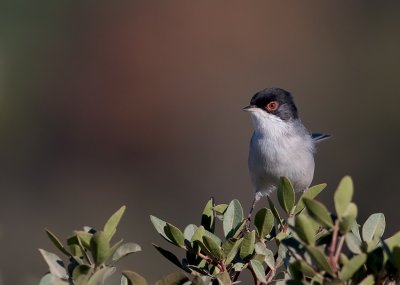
272 106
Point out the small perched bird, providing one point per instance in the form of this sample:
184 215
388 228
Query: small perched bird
280 145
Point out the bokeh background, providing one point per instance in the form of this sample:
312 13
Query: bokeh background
105 103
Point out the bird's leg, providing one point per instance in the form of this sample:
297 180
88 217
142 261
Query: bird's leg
257 198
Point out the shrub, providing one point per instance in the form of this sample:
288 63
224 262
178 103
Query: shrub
297 242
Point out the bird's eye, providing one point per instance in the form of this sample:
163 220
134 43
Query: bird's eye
272 106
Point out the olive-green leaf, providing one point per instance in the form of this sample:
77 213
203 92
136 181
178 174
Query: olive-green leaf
353 243
348 218
99 277
176 278
223 278
264 222
247 246
258 270
310 193
352 266
233 217
175 234
261 249
56 265
274 211
198 234
233 250
111 225
369 280
373 227
124 250
395 257
57 242
83 238
343 195
134 278
213 248
393 241
286 195
304 229
320 259
100 247
318 212
170 256
82 269
160 227
305 268
221 208
208 217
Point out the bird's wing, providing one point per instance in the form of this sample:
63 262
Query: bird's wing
317 137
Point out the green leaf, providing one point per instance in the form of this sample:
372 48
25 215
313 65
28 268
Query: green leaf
274 211
352 266
395 257
258 270
353 243
50 279
310 193
124 250
374 227
261 249
160 227
233 250
175 235
175 278
318 212
305 229
100 247
208 218
56 265
134 278
348 218
223 278
198 234
393 241
286 196
369 280
304 268
83 238
232 218
212 236
247 246
111 226
99 277
343 195
82 269
57 242
170 256
189 232
320 259
264 222
221 208
213 248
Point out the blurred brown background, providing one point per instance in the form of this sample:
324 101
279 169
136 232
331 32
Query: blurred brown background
139 103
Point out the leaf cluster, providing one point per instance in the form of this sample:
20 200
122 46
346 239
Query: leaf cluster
296 242
90 255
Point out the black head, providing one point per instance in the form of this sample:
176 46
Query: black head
275 101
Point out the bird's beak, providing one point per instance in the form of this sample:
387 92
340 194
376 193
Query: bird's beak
249 108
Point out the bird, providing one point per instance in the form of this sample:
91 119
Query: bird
280 145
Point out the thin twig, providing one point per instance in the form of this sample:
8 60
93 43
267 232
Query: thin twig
332 247
339 249
220 266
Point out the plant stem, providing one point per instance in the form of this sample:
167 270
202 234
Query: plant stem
332 247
